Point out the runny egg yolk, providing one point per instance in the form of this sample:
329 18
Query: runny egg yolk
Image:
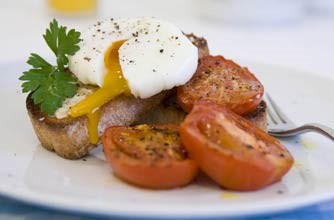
114 84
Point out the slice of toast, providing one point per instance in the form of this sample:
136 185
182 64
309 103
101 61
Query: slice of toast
170 112
68 137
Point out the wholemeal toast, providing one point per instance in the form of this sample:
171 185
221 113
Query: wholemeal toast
170 112
68 137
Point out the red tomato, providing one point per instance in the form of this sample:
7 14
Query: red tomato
231 150
150 156
223 82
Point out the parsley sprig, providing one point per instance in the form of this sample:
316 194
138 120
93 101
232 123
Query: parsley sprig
50 84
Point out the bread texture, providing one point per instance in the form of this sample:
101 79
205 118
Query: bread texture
68 137
170 112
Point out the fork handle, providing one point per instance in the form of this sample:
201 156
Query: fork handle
319 128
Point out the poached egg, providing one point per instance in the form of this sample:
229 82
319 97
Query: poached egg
139 57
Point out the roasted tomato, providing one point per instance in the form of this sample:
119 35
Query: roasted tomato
223 82
149 156
232 151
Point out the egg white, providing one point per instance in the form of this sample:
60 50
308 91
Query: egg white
156 56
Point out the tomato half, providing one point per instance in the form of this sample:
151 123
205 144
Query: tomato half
150 156
223 82
231 150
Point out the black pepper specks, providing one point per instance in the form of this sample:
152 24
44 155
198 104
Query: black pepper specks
161 50
87 59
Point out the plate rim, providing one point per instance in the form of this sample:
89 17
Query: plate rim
68 207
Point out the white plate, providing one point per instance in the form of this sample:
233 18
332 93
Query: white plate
32 174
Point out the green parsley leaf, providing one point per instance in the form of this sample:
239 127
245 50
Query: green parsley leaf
62 43
51 85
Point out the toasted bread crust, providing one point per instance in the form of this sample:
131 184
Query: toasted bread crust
170 112
68 137
200 43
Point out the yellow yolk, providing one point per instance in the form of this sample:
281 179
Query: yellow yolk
114 84
92 126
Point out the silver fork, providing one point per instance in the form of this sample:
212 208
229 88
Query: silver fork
280 125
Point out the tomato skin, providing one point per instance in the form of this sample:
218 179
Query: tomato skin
223 82
233 166
163 174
